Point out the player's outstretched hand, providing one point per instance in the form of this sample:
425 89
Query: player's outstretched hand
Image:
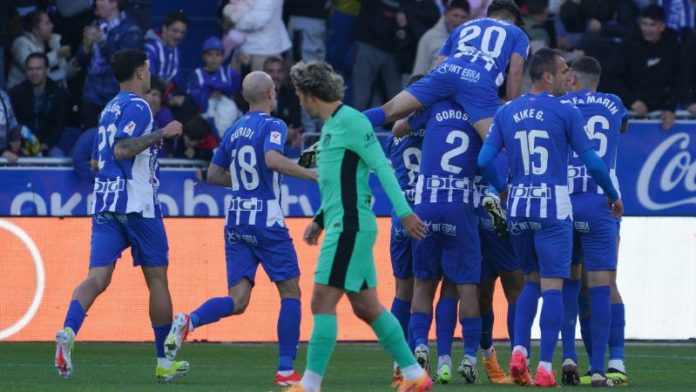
617 208
311 233
414 226
308 157
173 129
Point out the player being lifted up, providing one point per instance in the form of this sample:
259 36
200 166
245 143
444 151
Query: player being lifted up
126 211
249 160
405 155
348 149
471 66
538 131
596 233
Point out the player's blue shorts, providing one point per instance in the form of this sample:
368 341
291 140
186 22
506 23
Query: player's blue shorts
542 245
595 234
113 232
246 246
468 84
452 245
400 250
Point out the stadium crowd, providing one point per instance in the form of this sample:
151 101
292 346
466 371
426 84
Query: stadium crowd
55 79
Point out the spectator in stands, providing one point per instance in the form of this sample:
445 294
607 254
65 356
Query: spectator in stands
38 37
307 29
287 106
375 36
40 104
535 24
265 33
644 70
7 12
10 137
160 113
197 141
85 155
417 18
689 74
457 12
111 32
162 47
340 48
679 16
213 86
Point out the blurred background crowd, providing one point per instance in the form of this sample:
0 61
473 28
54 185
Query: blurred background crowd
55 77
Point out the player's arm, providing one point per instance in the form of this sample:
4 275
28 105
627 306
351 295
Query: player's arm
279 163
217 175
126 148
514 81
492 145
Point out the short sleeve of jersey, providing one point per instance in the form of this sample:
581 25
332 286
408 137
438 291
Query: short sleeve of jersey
275 136
579 139
495 135
623 112
134 120
221 157
521 44
418 120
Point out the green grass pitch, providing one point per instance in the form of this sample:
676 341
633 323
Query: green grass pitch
250 367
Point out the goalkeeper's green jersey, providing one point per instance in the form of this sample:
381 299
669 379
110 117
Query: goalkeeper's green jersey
348 149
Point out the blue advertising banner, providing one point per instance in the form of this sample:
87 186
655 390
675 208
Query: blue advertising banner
656 169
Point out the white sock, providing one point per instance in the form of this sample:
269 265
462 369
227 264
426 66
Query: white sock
545 365
311 381
488 352
471 359
285 373
413 372
521 349
444 360
164 362
617 364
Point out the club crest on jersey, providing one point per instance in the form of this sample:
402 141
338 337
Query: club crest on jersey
130 127
275 137
327 140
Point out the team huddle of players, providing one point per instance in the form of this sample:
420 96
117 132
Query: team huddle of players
550 155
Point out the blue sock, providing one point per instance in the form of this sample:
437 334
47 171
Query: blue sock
288 332
471 333
550 323
600 324
571 291
487 320
402 311
420 322
75 316
161 332
584 313
616 332
376 116
410 338
512 309
445 322
212 310
526 311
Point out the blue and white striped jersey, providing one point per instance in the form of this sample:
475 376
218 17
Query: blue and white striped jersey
164 61
405 156
255 188
538 132
449 152
126 185
604 116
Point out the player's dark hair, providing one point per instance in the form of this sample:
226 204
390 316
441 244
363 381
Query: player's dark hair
654 12
414 78
125 62
318 79
587 65
157 84
537 7
463 4
506 8
37 55
543 60
197 128
32 19
175 16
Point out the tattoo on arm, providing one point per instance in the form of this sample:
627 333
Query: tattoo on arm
128 148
